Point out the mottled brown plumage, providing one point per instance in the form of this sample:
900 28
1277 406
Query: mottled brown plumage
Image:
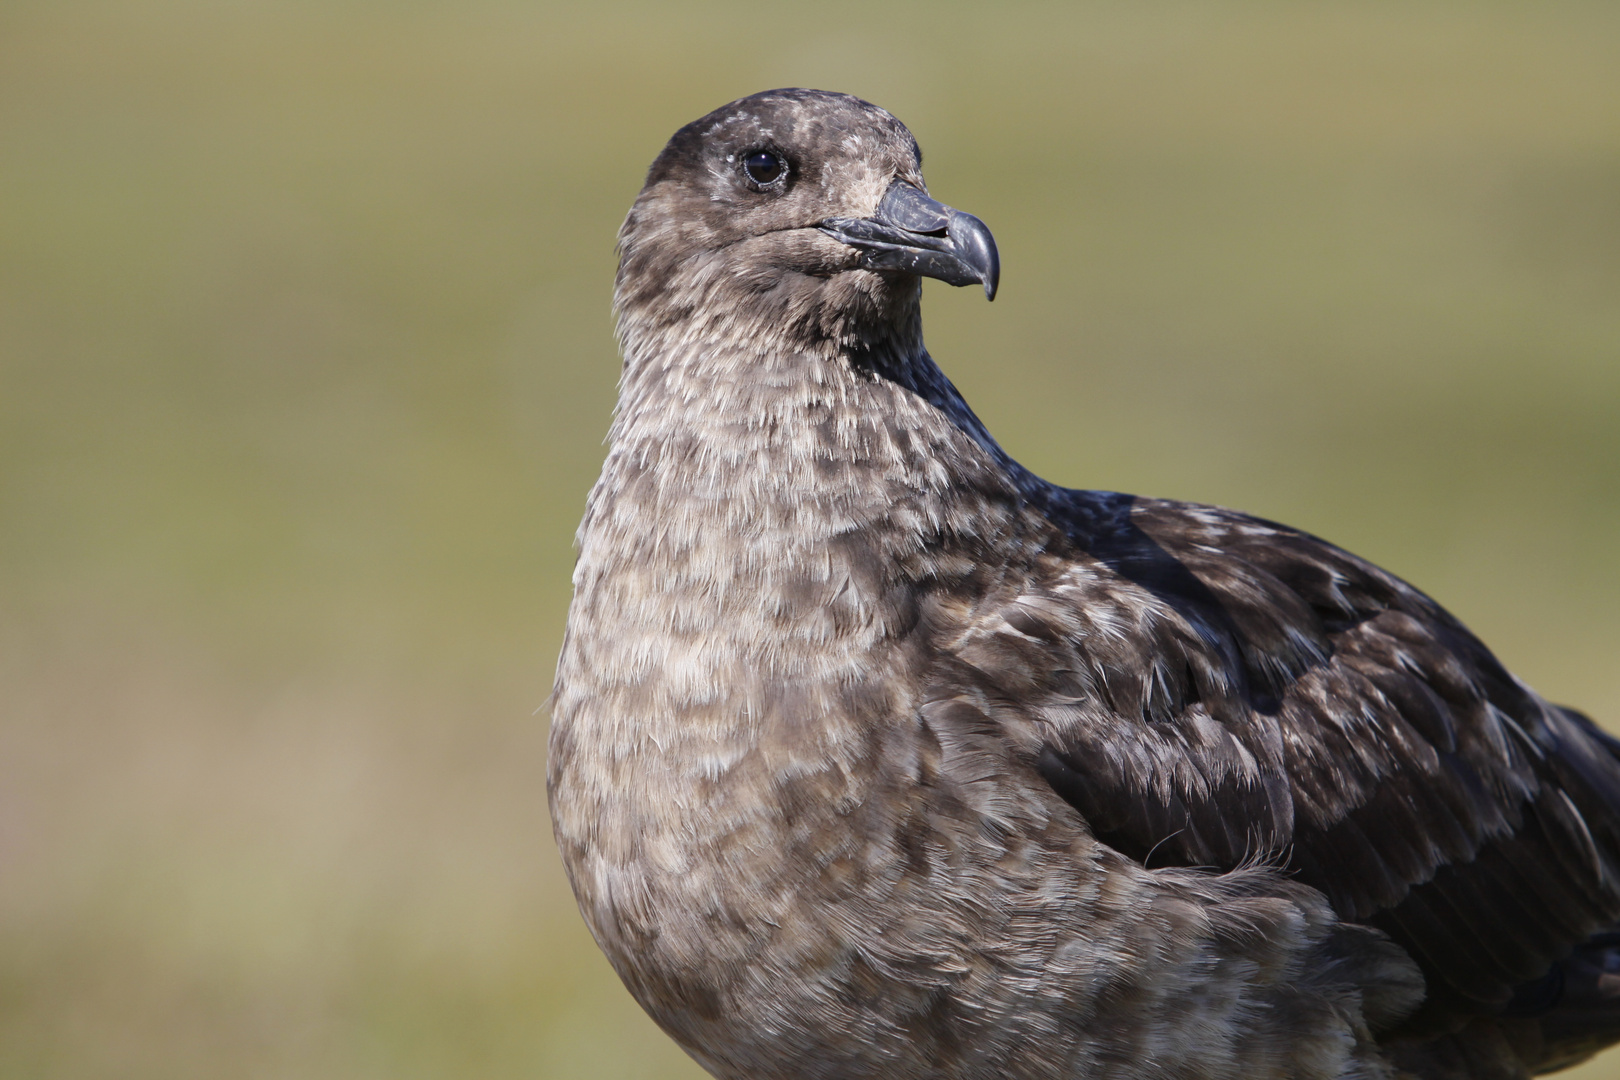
874 755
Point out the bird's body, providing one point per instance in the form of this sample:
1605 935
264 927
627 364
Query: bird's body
874 755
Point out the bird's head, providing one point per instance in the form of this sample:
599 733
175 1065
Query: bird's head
799 210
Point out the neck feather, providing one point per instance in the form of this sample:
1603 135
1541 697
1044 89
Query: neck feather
767 506
739 458
732 405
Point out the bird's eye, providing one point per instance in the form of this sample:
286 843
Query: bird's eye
763 167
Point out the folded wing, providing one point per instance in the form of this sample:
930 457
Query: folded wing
1207 689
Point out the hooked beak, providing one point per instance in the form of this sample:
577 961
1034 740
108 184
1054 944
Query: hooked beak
913 233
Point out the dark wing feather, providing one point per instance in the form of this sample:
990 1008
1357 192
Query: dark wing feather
1207 688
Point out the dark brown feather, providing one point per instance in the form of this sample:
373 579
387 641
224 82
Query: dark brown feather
1240 690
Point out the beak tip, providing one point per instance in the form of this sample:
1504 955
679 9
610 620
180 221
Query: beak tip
976 249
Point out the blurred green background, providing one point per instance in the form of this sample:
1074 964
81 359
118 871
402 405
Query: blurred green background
306 359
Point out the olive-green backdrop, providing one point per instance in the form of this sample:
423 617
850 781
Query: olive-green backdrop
306 359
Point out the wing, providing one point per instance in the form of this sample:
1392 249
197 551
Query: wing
1207 688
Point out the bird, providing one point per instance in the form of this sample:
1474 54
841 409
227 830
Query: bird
873 754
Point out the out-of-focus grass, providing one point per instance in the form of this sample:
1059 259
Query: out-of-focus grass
305 363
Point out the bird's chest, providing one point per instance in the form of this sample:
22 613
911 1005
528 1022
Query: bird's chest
717 699
721 846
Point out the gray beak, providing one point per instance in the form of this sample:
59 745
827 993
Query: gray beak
915 234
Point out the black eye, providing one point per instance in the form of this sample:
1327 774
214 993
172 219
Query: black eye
763 167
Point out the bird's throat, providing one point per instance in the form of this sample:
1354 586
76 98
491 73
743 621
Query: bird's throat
769 481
